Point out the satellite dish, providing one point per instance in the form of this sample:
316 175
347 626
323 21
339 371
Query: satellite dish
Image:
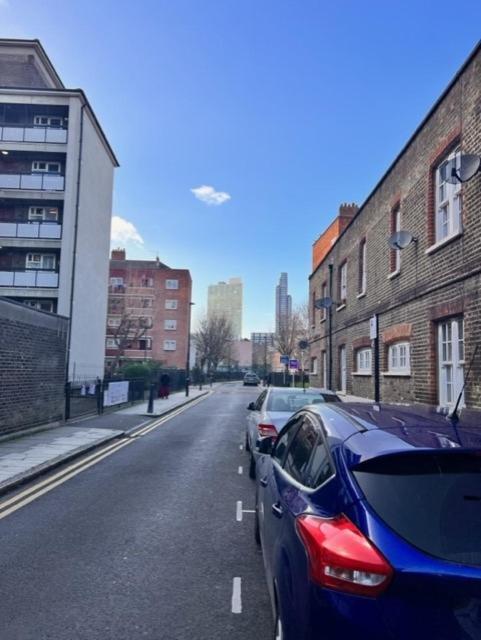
401 239
462 168
323 303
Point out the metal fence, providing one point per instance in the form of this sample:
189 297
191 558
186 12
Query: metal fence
96 396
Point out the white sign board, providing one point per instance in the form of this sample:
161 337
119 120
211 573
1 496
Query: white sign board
373 328
116 393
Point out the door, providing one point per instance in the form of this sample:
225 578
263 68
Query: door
342 368
450 362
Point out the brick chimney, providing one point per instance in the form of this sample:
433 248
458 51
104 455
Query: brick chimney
346 214
118 254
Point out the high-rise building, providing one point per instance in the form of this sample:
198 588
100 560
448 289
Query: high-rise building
283 303
225 299
56 180
149 311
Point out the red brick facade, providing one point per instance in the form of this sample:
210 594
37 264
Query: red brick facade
435 284
147 291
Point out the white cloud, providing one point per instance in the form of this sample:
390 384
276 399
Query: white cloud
209 195
124 231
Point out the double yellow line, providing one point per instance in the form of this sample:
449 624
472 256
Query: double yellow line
40 488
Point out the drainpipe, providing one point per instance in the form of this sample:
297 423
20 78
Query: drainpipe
329 320
74 259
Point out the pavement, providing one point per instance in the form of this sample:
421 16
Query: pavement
25 456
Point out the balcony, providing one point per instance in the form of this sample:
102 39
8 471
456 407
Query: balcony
41 230
37 181
31 278
33 134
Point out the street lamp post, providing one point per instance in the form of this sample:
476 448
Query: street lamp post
187 364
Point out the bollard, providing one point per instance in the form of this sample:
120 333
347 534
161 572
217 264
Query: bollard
150 408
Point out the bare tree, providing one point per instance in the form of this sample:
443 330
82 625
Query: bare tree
129 331
212 340
295 329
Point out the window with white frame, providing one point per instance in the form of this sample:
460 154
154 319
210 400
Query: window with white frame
363 360
171 284
147 282
48 121
117 282
43 214
145 344
399 358
170 325
314 366
447 200
171 304
362 266
40 261
451 361
113 322
147 303
343 283
111 343
45 167
170 345
396 226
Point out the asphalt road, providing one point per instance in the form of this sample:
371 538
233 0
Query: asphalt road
144 544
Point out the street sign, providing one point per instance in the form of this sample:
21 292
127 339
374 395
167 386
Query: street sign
373 327
303 345
294 364
284 359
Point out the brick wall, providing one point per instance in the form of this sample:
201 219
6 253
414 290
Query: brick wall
434 282
32 366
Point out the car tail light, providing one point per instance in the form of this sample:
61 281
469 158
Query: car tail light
267 430
341 557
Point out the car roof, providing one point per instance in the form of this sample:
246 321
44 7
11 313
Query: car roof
369 430
310 390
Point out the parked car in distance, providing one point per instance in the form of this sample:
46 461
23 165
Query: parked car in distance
251 379
369 517
273 409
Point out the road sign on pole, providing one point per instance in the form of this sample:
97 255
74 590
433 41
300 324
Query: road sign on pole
294 364
284 359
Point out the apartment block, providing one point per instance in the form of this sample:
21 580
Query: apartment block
225 299
404 323
149 307
56 181
283 303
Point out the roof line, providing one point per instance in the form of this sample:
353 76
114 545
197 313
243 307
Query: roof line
22 42
451 84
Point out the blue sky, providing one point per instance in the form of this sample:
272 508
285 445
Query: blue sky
289 107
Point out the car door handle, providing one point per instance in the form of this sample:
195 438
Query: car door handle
277 510
263 482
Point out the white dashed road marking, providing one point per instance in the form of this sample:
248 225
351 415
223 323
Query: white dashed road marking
239 471
238 511
236 604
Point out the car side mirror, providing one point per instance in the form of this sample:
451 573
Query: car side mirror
265 445
251 406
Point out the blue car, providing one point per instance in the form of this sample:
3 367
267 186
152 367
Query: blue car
369 517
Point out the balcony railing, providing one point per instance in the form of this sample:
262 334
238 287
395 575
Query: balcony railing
35 278
50 230
39 181
32 134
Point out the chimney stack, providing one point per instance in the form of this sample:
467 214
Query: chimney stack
118 254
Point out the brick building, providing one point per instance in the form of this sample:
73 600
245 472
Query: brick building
148 311
427 296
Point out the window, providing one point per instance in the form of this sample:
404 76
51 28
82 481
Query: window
320 468
45 167
314 366
342 369
113 322
171 304
447 201
145 344
362 266
170 325
342 283
147 303
324 295
40 261
299 453
147 282
451 361
260 400
117 282
363 361
47 121
43 305
399 359
170 345
171 284
145 322
41 214
111 343
285 438
313 309
324 380
396 226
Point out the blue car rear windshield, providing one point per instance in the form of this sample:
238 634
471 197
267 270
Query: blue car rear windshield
291 402
432 500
